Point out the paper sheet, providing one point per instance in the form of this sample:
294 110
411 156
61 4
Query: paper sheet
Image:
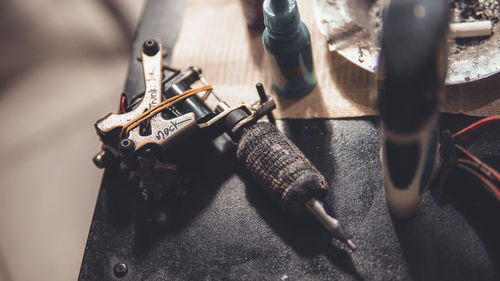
214 36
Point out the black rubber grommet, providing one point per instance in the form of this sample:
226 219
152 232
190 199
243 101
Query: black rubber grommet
150 47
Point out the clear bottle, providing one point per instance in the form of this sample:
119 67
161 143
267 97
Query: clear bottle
288 44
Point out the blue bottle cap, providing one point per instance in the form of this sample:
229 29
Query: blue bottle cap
281 16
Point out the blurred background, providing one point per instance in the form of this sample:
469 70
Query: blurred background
63 65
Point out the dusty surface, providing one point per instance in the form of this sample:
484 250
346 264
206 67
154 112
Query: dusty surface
473 10
474 58
352 28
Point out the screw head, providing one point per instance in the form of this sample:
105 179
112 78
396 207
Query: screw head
127 146
197 70
150 47
120 269
100 159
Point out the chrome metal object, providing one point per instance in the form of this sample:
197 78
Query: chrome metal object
169 126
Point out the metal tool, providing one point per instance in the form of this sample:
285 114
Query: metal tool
286 174
412 71
170 112
333 225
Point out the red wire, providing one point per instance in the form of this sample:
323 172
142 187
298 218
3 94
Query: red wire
463 140
485 180
122 104
468 135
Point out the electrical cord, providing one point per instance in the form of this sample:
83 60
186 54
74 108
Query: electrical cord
453 153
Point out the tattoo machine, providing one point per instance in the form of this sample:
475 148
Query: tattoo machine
171 112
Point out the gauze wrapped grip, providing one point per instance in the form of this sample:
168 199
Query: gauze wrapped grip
280 167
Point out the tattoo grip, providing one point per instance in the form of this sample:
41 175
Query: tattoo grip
280 167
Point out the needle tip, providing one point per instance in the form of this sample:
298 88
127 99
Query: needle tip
351 244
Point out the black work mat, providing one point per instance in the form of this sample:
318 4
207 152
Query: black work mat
226 228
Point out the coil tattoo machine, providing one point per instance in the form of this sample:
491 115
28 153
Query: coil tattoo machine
171 112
